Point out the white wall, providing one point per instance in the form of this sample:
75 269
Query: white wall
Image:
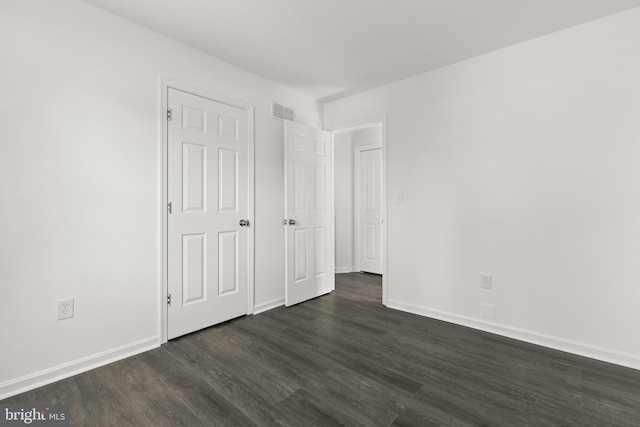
523 163
345 142
80 178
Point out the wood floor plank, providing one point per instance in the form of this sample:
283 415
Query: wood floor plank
103 400
304 409
187 351
211 407
151 402
413 413
171 371
302 360
243 394
66 392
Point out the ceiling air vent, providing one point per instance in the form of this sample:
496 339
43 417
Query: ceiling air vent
282 112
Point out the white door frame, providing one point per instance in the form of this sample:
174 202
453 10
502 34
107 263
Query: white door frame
356 201
361 124
165 84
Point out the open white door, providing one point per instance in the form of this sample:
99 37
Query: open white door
208 194
309 239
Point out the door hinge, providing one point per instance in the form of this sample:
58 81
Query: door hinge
169 207
168 299
169 115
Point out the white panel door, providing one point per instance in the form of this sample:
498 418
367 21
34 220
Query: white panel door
208 191
309 240
369 210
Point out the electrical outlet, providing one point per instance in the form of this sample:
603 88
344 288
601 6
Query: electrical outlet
485 281
65 309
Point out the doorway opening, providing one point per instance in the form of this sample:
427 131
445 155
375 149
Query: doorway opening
360 199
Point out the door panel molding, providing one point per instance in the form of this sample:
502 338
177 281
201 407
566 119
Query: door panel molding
229 130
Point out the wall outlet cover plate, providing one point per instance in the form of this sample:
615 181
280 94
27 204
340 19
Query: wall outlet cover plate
65 309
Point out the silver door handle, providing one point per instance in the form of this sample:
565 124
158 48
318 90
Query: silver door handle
244 223
292 222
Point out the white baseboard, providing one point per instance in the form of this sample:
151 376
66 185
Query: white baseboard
340 270
69 369
266 306
556 343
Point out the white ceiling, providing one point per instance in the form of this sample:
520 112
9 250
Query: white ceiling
332 48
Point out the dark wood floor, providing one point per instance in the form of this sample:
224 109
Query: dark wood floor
343 359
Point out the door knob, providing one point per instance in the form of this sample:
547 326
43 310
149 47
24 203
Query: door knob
292 222
244 222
